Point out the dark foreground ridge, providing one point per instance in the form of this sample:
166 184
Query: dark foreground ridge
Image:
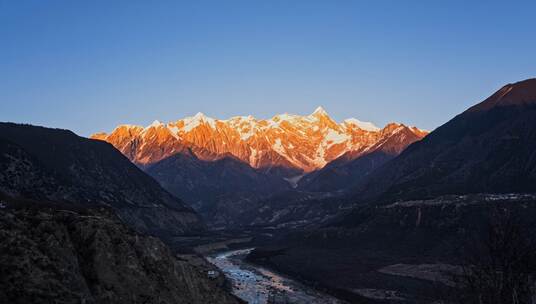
75 215
88 256
56 165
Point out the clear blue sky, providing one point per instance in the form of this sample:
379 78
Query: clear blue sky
90 65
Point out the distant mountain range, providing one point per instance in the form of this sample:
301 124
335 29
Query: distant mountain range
288 144
242 159
244 170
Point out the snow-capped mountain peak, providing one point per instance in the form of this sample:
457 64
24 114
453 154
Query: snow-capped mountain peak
286 141
196 120
156 123
319 111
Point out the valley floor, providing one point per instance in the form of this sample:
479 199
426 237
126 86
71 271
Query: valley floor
259 285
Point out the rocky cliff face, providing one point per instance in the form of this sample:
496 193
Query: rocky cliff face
44 164
88 256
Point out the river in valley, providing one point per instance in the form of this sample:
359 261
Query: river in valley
258 285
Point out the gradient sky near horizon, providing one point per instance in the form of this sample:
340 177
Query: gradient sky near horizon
91 65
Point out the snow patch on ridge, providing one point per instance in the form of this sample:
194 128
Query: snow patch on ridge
247 135
253 157
278 147
333 137
174 131
364 125
284 117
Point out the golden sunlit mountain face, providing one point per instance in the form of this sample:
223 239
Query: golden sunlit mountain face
301 143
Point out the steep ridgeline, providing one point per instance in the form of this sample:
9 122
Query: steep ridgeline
220 165
50 165
491 148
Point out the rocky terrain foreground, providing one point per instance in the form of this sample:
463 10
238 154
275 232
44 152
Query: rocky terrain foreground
88 256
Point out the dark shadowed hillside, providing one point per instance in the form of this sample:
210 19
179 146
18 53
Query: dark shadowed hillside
399 253
411 216
491 147
62 242
45 164
207 185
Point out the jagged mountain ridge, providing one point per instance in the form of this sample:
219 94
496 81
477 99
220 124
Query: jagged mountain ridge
353 166
286 144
